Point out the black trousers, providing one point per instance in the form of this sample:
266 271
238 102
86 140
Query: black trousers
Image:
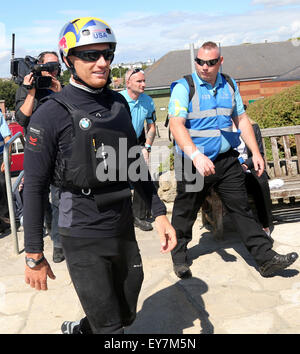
107 275
139 207
229 183
258 188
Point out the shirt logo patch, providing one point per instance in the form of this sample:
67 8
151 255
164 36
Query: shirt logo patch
35 139
85 124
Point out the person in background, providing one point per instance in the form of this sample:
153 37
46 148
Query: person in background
257 187
28 99
5 135
142 109
205 140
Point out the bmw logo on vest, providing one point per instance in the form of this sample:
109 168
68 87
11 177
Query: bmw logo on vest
85 124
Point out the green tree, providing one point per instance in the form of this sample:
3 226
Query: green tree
8 92
65 77
118 72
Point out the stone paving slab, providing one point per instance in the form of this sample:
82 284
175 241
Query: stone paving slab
226 294
226 291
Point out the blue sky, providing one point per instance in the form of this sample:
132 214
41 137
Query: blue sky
148 29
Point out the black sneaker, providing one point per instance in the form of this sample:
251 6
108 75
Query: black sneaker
278 262
58 255
71 327
143 224
182 271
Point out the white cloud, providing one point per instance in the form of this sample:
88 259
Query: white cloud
152 36
142 36
72 14
42 35
2 35
272 3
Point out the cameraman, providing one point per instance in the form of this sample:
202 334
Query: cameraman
28 99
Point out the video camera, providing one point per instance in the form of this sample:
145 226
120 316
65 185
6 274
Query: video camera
20 67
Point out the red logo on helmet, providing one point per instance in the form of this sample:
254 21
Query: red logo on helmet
63 43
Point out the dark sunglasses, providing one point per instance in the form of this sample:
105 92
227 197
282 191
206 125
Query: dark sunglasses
211 62
137 70
93 54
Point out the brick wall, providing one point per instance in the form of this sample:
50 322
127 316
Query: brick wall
257 89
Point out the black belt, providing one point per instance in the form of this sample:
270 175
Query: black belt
104 196
230 152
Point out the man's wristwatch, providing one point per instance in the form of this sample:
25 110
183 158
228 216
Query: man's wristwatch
32 263
148 147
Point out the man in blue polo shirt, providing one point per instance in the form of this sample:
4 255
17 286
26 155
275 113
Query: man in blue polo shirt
5 135
142 109
204 134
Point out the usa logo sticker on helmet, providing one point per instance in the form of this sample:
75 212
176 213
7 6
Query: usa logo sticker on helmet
84 31
85 124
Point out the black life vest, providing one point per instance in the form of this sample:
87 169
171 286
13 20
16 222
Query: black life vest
99 160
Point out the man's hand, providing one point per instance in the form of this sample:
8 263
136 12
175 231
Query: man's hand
28 81
204 165
167 234
259 164
37 277
244 167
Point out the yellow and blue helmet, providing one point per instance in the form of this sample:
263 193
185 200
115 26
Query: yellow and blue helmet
83 31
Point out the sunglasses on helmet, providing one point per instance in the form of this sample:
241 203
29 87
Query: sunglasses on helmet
211 62
137 70
93 54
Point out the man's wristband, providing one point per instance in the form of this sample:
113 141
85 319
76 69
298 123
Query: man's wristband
28 87
194 154
148 147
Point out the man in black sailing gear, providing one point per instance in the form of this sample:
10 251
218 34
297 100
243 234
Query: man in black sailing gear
71 142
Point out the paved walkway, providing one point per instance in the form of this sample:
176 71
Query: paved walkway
225 295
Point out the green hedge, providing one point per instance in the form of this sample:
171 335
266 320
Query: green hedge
279 110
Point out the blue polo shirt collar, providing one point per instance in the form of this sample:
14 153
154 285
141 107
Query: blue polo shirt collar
129 99
207 84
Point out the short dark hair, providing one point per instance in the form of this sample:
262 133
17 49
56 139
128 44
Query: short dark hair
209 45
41 56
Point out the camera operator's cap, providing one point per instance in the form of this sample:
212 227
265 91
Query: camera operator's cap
83 31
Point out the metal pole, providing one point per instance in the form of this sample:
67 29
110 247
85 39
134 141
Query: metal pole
221 68
9 189
192 54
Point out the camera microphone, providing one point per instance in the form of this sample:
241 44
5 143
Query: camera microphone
215 92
